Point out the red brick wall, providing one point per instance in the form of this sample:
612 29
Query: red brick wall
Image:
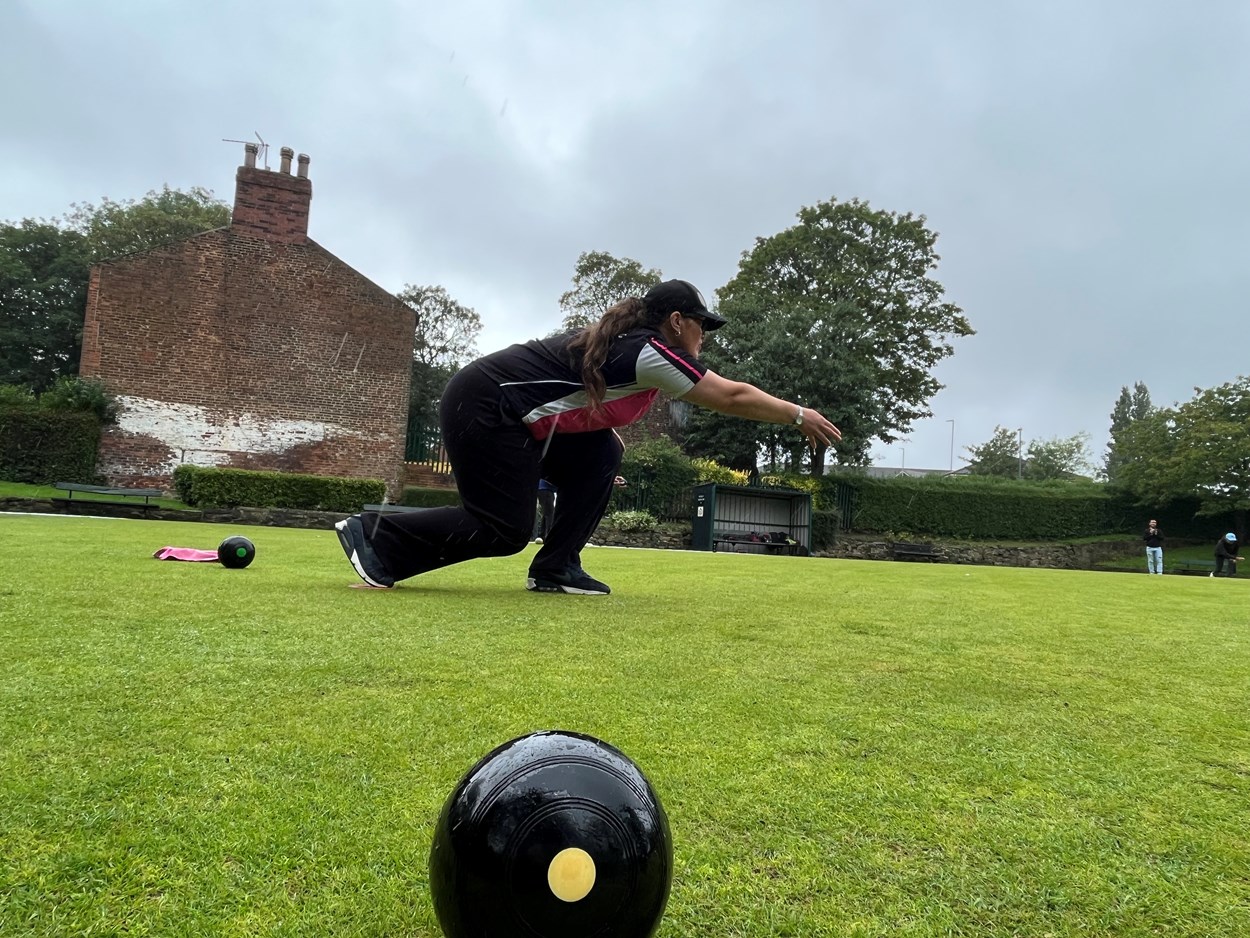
229 349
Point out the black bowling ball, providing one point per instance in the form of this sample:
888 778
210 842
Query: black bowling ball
236 552
552 835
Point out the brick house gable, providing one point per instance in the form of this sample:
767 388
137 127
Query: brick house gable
250 346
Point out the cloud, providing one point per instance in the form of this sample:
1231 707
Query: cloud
1082 162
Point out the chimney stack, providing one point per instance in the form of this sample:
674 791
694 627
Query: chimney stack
271 206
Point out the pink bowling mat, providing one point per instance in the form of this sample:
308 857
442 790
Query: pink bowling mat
186 553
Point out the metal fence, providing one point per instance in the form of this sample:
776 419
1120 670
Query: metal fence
424 445
638 497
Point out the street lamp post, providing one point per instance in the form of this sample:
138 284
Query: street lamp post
952 423
1020 452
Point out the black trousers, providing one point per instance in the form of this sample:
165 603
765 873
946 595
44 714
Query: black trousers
497 465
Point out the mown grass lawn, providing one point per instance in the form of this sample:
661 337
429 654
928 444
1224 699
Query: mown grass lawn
843 748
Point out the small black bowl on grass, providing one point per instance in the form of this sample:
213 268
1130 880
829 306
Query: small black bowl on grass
236 552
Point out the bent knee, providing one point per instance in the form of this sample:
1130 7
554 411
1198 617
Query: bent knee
511 542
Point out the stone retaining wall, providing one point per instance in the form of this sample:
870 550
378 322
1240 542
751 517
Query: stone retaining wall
1058 556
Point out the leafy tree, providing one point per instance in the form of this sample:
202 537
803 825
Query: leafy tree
838 312
1146 451
1200 449
998 456
445 339
599 281
1060 458
782 365
45 266
112 229
43 297
1128 408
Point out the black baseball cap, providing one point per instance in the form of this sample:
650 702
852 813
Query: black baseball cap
679 296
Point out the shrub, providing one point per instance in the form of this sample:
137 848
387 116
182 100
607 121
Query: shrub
708 470
415 496
16 395
231 488
633 522
85 395
41 447
184 483
824 529
659 475
810 484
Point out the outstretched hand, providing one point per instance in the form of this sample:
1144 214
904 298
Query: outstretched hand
818 430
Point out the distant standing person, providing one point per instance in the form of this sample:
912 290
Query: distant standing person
1226 553
1154 548
546 508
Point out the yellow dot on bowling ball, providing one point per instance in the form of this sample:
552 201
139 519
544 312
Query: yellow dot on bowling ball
571 874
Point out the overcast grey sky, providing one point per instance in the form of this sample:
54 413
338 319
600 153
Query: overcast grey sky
1084 162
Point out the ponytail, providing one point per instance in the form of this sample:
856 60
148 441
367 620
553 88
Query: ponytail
594 341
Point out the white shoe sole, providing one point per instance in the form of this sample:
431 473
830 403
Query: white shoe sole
532 585
345 540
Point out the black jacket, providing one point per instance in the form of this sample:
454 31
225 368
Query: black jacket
1155 539
1226 548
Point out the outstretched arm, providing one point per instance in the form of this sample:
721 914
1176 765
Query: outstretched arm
739 399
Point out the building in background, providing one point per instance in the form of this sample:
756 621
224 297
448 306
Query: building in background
250 346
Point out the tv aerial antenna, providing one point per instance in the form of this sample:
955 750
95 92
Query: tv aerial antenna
263 149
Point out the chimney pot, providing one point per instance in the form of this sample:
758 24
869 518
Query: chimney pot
303 166
249 155
287 153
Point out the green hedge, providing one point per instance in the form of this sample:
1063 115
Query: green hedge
41 446
231 488
184 483
978 508
1003 509
824 529
415 496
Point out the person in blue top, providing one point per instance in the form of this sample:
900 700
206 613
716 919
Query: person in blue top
547 409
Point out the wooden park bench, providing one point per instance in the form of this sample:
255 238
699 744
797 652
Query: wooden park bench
117 493
1192 567
904 550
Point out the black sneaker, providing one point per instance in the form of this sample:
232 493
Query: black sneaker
573 580
364 561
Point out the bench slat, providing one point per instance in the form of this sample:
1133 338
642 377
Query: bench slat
105 489
73 487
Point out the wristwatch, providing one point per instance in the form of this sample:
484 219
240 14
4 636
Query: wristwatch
798 418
